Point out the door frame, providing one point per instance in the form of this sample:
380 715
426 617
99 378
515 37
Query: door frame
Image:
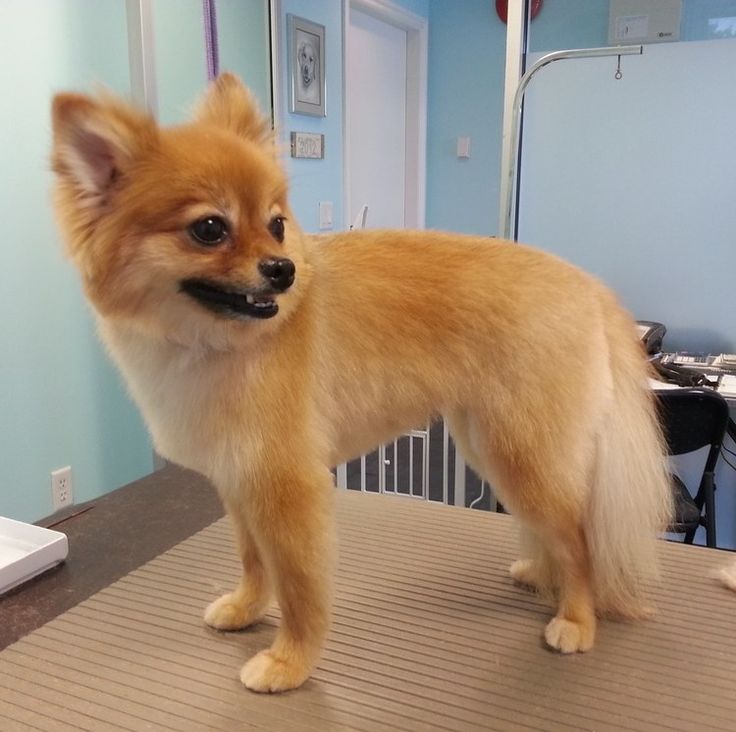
417 34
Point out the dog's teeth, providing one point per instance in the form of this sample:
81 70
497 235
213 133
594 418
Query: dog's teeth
249 299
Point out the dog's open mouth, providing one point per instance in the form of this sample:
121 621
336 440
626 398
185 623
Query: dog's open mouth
230 301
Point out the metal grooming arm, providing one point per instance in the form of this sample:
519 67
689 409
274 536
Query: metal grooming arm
509 163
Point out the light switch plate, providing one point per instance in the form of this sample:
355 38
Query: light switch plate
325 215
463 147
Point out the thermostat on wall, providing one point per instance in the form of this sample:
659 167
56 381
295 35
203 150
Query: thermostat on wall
643 21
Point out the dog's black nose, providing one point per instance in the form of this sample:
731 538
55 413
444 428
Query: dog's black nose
279 273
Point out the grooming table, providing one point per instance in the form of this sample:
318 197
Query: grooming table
429 633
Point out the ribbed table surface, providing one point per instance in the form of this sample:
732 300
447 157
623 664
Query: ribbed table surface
429 633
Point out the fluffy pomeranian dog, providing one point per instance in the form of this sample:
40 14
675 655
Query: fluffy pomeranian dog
260 357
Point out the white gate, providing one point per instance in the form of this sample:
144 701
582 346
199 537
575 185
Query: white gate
422 464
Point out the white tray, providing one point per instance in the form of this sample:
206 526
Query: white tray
27 550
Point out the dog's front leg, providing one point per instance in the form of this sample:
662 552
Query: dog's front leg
289 516
247 603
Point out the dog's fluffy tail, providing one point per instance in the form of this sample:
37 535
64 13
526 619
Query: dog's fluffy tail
630 500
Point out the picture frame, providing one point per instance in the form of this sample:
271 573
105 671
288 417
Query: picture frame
306 59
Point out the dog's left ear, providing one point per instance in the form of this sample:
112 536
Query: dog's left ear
228 103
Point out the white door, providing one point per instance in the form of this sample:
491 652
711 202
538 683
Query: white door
385 90
376 78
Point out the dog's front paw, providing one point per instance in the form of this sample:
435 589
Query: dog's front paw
568 636
266 672
230 613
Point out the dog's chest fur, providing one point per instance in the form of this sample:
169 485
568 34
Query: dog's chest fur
188 399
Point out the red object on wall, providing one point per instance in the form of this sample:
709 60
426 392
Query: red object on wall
502 8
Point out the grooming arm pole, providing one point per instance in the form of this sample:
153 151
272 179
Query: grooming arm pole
511 151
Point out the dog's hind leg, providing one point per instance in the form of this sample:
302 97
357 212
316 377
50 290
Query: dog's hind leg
545 490
562 567
573 627
247 603
532 568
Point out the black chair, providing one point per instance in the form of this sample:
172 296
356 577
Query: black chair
693 419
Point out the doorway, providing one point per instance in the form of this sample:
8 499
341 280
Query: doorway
385 113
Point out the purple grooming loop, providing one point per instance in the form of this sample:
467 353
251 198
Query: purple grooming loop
210 39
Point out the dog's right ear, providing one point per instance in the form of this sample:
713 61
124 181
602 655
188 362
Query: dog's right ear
228 103
95 141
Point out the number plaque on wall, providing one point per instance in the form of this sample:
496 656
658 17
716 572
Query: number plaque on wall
307 145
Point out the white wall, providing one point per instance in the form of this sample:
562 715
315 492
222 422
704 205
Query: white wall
634 181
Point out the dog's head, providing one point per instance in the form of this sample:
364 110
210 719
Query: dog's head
307 62
183 231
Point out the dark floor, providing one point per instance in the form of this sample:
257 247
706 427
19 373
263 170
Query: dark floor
108 538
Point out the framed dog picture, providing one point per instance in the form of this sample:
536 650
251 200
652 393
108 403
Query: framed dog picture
306 66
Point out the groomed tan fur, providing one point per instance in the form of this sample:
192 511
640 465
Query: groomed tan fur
182 237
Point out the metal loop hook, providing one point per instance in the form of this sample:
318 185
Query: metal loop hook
618 75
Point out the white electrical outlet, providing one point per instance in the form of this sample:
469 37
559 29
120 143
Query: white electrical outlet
61 487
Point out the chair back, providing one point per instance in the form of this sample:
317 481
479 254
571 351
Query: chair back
691 419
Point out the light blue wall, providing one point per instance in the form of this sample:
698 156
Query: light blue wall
61 402
242 25
467 46
569 24
418 7
584 23
179 49
666 277
313 181
697 14
465 95
244 39
181 71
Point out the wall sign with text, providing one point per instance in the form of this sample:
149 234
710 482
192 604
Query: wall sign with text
307 145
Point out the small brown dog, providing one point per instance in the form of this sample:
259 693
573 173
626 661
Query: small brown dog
260 357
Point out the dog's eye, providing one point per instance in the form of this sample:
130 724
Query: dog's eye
276 227
209 231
